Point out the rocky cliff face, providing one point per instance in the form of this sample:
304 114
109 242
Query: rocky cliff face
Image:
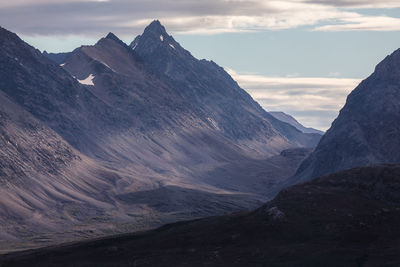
366 130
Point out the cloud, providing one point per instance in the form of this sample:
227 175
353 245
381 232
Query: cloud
358 3
315 102
128 17
371 23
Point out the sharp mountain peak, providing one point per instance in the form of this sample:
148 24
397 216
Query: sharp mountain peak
154 36
156 27
113 37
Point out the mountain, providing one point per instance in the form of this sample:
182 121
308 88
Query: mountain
366 130
107 143
292 121
46 185
349 218
214 93
59 58
196 125
49 186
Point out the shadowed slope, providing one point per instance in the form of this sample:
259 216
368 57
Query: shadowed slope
346 219
44 181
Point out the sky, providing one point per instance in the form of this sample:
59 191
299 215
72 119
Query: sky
302 57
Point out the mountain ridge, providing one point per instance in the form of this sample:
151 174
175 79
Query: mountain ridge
292 121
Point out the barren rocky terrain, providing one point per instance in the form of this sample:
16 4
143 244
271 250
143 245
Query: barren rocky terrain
349 218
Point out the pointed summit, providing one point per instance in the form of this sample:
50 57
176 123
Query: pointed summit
155 32
113 37
154 40
156 27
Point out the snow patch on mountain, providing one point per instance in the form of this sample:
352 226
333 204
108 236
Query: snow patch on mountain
88 80
213 122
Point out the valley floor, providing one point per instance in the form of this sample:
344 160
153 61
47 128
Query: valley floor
346 219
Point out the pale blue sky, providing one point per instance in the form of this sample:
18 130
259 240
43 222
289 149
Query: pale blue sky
298 56
297 52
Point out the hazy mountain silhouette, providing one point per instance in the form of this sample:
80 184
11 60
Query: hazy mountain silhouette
292 121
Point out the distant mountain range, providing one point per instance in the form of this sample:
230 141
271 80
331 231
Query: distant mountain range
113 138
58 58
292 121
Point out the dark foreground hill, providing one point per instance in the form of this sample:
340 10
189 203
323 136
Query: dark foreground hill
349 218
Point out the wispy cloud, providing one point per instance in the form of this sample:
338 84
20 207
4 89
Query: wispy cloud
91 17
357 3
362 23
314 102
